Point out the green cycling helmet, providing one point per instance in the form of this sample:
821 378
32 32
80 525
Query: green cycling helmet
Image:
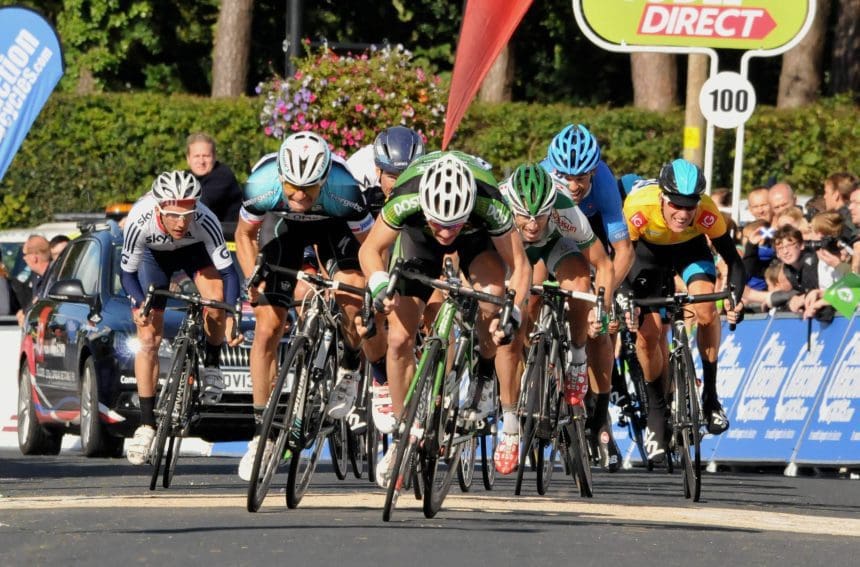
529 191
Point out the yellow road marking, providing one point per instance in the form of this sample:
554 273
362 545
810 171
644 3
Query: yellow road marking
648 515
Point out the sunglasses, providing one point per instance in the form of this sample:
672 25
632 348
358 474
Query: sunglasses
176 216
309 190
438 226
678 207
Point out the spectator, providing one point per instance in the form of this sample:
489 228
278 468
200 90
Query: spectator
221 191
57 245
8 301
832 257
37 256
756 252
854 210
722 197
759 205
800 268
837 194
792 217
781 198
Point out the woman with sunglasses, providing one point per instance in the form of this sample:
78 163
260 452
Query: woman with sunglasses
169 230
669 220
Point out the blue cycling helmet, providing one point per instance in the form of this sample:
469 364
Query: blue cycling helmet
682 182
395 148
574 151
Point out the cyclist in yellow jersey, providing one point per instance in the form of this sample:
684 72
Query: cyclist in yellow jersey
668 220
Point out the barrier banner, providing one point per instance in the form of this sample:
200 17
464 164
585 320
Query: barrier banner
774 401
31 64
738 350
832 433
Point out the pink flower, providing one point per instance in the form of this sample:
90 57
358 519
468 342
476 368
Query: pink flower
298 75
268 130
324 123
359 107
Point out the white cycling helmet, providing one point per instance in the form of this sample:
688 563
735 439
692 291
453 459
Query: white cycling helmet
176 186
447 191
304 159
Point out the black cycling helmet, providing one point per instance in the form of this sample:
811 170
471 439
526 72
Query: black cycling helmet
682 182
395 148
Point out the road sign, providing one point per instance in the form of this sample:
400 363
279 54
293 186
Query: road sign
727 99
723 24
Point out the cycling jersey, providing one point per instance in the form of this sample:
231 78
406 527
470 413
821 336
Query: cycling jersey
144 232
602 204
644 211
339 198
362 166
490 214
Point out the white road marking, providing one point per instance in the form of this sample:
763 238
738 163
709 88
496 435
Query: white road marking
648 515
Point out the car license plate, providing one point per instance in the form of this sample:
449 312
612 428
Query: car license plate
237 382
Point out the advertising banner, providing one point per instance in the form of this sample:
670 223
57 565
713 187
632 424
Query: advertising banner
721 24
31 64
832 434
774 401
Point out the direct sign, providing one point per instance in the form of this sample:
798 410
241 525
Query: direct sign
722 24
727 99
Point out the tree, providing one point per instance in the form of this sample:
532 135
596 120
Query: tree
232 48
800 78
655 80
497 84
846 48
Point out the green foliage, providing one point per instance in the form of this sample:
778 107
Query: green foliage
86 151
345 98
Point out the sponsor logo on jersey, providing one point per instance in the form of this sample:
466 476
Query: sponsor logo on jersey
638 220
224 253
159 239
707 219
563 223
347 203
501 215
265 196
404 206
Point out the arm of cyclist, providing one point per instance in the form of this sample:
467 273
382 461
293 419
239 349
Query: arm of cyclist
371 256
725 247
604 277
510 247
246 252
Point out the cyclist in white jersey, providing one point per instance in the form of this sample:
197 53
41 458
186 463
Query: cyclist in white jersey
168 230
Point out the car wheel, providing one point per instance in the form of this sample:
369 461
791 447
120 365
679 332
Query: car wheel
95 440
33 439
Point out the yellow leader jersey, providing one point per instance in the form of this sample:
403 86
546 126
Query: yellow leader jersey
644 214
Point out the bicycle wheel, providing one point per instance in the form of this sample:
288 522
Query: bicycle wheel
165 407
466 471
338 444
446 448
636 420
358 443
180 429
530 406
406 440
686 403
315 426
488 436
578 451
279 412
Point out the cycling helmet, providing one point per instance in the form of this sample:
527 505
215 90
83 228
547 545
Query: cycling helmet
176 186
395 148
574 151
304 159
682 182
530 191
447 191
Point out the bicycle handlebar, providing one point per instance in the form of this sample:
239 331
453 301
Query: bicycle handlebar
548 288
262 268
680 299
193 299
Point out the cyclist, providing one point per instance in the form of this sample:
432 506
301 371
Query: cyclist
377 168
556 232
314 200
574 157
168 230
448 202
669 220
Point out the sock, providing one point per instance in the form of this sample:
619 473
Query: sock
147 411
601 411
709 377
619 385
258 420
510 423
212 356
378 371
577 354
656 399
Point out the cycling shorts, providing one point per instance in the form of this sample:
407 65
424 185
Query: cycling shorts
158 266
554 251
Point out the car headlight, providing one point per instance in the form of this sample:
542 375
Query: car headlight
129 346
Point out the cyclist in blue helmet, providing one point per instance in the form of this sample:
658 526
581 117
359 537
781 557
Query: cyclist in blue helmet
574 158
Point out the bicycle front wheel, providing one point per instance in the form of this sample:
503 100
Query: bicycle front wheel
689 423
277 419
165 407
446 448
578 451
530 407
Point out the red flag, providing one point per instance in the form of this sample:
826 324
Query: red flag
487 27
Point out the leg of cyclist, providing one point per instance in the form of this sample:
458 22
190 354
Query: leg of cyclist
708 341
210 286
573 274
149 334
344 393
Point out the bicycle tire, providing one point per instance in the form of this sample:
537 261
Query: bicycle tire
165 405
314 429
277 418
180 430
466 470
578 448
689 435
338 443
357 441
442 431
406 444
488 436
171 459
547 456
530 398
636 421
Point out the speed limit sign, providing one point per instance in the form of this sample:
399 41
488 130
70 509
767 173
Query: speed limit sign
727 99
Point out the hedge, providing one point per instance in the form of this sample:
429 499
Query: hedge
84 152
